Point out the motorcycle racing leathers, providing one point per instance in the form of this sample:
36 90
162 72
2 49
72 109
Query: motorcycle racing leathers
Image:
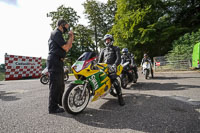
128 58
147 60
111 56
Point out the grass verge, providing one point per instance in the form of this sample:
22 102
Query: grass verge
2 76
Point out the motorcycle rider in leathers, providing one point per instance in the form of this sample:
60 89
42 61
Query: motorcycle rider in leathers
111 56
127 57
147 59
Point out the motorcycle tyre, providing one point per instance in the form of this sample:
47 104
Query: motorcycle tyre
42 79
123 85
65 99
146 73
135 81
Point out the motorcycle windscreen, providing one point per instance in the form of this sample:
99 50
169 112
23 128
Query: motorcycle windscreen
146 65
86 56
79 65
84 60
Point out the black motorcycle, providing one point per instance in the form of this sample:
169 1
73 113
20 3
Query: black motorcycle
127 75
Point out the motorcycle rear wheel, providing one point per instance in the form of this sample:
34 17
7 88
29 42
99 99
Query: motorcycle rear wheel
134 78
72 101
44 79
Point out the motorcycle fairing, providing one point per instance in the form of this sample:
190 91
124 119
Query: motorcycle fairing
99 81
146 65
80 82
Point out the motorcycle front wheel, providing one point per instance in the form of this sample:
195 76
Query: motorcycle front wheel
44 79
73 101
124 80
146 73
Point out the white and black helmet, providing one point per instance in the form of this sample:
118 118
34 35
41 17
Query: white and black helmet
125 50
108 36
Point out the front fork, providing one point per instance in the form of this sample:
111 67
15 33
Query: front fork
84 88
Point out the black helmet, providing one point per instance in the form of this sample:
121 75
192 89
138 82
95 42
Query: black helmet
108 36
125 50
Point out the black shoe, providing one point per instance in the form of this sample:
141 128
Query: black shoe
58 110
121 100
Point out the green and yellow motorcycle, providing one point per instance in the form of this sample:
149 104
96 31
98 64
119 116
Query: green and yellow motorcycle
92 83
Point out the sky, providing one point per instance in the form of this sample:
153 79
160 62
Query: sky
25 28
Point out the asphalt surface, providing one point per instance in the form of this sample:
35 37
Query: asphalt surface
169 103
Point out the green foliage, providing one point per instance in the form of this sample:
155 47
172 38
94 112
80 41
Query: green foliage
83 38
44 63
101 18
68 14
2 67
183 47
2 76
151 26
2 72
82 43
83 35
141 26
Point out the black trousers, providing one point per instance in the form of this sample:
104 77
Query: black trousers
116 84
135 71
56 89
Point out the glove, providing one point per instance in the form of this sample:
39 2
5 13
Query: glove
114 67
111 69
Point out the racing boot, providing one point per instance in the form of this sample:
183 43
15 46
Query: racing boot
121 100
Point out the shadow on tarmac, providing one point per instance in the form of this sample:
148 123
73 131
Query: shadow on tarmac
8 96
170 78
145 113
160 86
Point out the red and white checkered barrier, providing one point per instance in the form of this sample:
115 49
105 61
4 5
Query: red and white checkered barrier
18 67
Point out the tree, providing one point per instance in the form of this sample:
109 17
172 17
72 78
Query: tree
71 17
82 43
93 13
84 38
101 18
151 26
183 47
68 14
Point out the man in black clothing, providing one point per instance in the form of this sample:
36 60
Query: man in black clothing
127 57
57 52
111 56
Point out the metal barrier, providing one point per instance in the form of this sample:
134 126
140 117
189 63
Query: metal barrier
162 64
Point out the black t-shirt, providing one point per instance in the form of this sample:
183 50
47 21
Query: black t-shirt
56 52
56 41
